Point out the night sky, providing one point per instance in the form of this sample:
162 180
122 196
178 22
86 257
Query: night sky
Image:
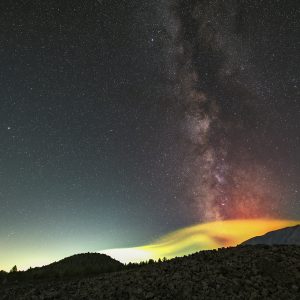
121 120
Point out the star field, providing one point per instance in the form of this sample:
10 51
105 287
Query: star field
123 120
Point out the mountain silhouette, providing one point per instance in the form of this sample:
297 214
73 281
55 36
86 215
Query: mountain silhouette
243 272
285 236
79 265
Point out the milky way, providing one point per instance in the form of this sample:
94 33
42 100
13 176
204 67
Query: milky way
225 111
121 121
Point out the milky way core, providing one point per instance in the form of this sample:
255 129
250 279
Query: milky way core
223 126
121 121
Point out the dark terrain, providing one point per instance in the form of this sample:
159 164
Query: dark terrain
76 266
285 236
244 272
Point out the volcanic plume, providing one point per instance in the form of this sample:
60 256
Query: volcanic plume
199 237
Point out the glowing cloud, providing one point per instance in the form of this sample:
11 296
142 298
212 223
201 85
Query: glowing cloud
200 237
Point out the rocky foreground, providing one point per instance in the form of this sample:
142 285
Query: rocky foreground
247 272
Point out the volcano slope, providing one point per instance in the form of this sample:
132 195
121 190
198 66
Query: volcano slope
244 272
284 236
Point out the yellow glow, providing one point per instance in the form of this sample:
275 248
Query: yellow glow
200 237
129 254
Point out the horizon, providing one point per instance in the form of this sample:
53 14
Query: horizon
185 241
122 122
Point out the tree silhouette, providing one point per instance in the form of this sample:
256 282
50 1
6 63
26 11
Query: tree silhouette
14 269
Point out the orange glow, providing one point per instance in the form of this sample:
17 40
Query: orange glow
200 237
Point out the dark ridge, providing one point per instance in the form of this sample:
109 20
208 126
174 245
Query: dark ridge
244 272
79 265
285 236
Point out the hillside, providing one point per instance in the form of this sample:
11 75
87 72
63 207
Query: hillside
285 236
244 272
79 265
